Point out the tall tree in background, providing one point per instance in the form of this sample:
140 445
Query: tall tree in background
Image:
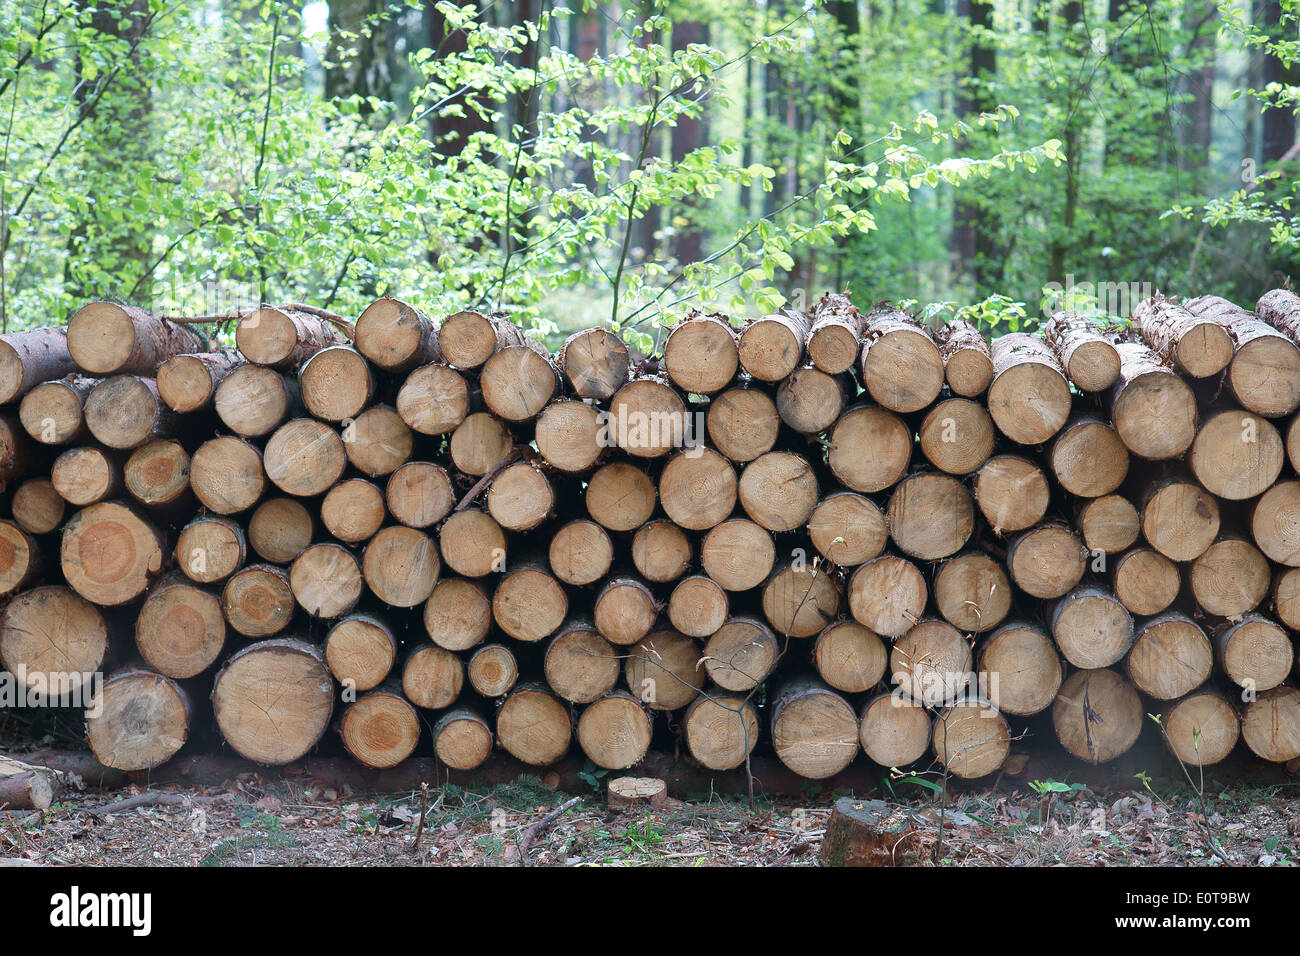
973 238
690 133
1279 123
1196 135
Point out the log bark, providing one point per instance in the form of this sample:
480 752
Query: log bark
27 787
743 423
887 594
280 529
1097 715
107 339
967 358
304 457
1088 458
614 732
581 552
400 566
664 670
353 510
189 383
1046 561
1087 354
258 601
336 383
254 400
971 739
227 475
1152 409
721 730
1265 372
972 592
432 677
900 365
698 606
957 436
433 399
31 357
360 651
1092 627
661 551
1170 658
1029 398
1012 493
1020 669
396 336
1145 581
814 730
125 412
381 729
835 333
15 451
138 720
849 657
595 363
326 580
931 664
772 346
110 554
1196 345
284 338
458 614
741 654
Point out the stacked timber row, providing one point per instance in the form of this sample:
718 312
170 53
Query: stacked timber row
834 533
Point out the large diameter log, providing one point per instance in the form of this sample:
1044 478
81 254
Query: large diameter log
104 339
1270 725
957 436
468 339
1151 407
458 614
211 548
1108 524
870 449
1087 355
472 544
1180 519
721 730
647 419
353 510
1201 729
809 400
1029 397
1046 561
419 494
479 443
52 637
188 383
595 363
664 670
53 413
849 657
381 729
614 732
378 441
779 490
931 516
396 336
83 476
258 601
158 473
529 604
1020 670
697 488
743 423
1170 658
835 333
284 338
1275 523
432 677
887 595
137 720
1255 652
31 357
336 383
581 552
280 529
227 475
1146 582
533 726
893 730
1088 459
972 592
1092 627
1012 493
1236 454
1194 344
741 654
814 730
519 381
462 739
800 599
433 400
931 663
20 558
1230 578
401 566
37 506
967 358
326 580
110 554
900 365
125 412
846 528
579 664
1265 372
253 400
1097 715
492 670
360 651
700 354
971 739
661 551
520 497
771 346
568 435
739 554
698 606
304 457
273 700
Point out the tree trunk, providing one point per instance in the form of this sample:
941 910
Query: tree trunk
931 516
472 544
779 490
493 670
210 549
226 475
1087 355
614 732
258 600
433 399
1029 397
835 333
419 494
280 529
663 670
698 606
283 338
967 358
743 423
353 511
336 383
304 457
1170 658
814 730
52 630
254 400
741 654
125 411
458 614
1195 344
1265 371
971 739
1012 493
661 551
1047 560
108 339
721 730
701 355
432 677
1108 524
31 357
396 336
360 651
1180 519
84 476
326 580
772 346
188 383
1021 668
381 729
1153 409
1092 627
581 552
1097 715
1146 582
595 363
138 720
529 603
1088 458
110 554
887 594
900 364
972 592
462 739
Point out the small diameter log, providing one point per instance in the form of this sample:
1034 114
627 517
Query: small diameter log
1046 561
967 358
1237 454
110 554
581 552
433 400
743 423
304 457
381 729
180 631
188 383
158 473
27 787
258 600
1108 524
31 357
887 594
931 663
432 677
492 670
53 412
721 730
799 599
468 339
647 418
520 497
519 381
458 614
137 720
1286 597
664 670
20 558
361 651
779 490
479 443
211 548
83 476
255 714
1020 670
37 506
972 592
53 638
893 730
1201 729
700 354
1088 459
1097 715
849 657
629 793
1195 344
462 739
1092 627
739 554
254 400
326 580
625 610
1170 658
814 730
568 436
931 516
614 732
401 566
661 551
472 544
283 338
533 726
957 436
697 488
1265 372
419 494
971 739
1180 519
1145 581
1012 493
1270 725
396 336
1254 653
226 474
810 401
771 347
336 383
1275 523
1231 578
1029 397
698 606
280 529
107 339
353 510
125 412
1151 407
835 333
528 603
620 496
741 654
378 441
1087 354
1280 308
900 364
846 528
595 363
580 665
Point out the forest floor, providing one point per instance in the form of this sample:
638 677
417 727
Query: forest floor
256 821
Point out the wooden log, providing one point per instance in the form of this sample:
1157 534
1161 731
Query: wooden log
635 793
1087 458
779 490
931 663
1196 345
741 654
1086 354
810 401
462 739
30 357
25 786
493 670
377 442
967 358
210 549
1180 519
53 413
814 730
401 566
1265 372
931 516
664 670
472 544
581 552
1280 308
107 339
1201 729
721 730
700 354
479 443
188 383
614 732
620 496
528 603
1236 454
568 435
353 510
1092 627
1097 715
419 494
698 606
258 601
110 554
661 551
458 614
280 529
971 739
468 339
520 497
1145 581
887 594
893 730
254 714
738 554
972 592
800 599
432 677
900 365
1230 578
1270 725
433 400
20 558
1286 597
1047 560
157 473
835 333
1151 407
125 412
326 580
37 506
83 476
336 383
697 488
396 336
1275 523
849 657
253 400
1170 658
846 528
519 381
360 651
647 418
227 475
625 610
1254 653
595 363
1029 398
1108 524
304 457
137 720
51 637
381 729
1020 670
284 338
957 436
772 346
1012 493
743 423
180 631
14 449
533 726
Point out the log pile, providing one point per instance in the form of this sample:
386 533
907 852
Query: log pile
841 535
